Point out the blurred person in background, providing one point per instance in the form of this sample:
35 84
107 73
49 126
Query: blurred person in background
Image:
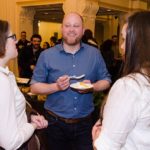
29 56
118 60
89 39
22 44
46 45
115 46
53 41
108 55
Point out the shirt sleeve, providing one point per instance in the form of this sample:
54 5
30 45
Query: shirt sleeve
120 116
11 135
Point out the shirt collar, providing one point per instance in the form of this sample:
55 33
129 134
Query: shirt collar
4 70
82 45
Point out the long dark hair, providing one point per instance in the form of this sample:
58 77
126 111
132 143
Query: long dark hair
4 27
137 46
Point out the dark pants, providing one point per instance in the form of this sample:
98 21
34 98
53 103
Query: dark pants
66 136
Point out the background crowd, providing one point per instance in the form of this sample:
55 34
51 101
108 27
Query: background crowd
29 51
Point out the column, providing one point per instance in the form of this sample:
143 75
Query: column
26 21
138 4
86 8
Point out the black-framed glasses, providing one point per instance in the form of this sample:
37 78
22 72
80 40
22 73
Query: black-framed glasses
13 36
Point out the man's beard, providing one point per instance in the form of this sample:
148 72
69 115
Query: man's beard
71 42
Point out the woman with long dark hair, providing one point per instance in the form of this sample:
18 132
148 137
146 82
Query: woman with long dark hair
126 116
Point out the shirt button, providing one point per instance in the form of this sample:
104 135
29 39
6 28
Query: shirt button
74 65
75 97
75 108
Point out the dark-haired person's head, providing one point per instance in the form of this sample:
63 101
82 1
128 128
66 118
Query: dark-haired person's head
53 41
36 41
88 34
115 38
107 45
137 43
7 42
46 45
23 35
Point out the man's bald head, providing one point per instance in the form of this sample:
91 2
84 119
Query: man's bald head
74 14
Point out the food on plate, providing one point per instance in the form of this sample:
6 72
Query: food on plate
85 85
81 85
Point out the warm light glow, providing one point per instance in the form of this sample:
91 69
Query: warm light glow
39 23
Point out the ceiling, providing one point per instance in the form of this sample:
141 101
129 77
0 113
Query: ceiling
54 12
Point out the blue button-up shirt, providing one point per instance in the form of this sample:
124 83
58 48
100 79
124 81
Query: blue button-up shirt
55 62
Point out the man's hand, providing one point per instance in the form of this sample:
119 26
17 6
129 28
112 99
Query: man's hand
86 90
32 67
63 82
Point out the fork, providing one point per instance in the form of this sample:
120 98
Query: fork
77 77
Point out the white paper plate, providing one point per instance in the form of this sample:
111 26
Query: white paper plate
81 86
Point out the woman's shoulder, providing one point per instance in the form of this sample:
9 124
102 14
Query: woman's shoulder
134 81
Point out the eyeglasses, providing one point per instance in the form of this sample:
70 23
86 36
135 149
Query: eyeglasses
13 36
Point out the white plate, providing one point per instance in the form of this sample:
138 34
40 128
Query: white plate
81 86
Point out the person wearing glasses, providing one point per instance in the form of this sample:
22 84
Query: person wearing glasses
14 127
126 116
29 56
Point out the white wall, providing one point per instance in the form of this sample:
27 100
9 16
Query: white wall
7 12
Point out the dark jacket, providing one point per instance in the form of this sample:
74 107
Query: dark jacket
27 58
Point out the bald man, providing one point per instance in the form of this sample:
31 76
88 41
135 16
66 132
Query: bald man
69 111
